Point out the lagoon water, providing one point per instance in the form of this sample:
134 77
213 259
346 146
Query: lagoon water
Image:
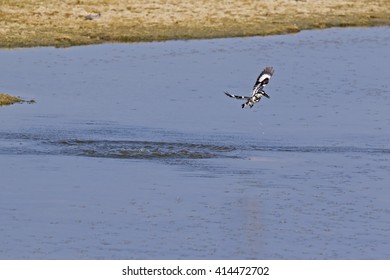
132 151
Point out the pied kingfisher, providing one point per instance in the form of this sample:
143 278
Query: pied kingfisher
257 91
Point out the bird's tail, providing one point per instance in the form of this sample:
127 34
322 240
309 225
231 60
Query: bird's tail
264 94
236 96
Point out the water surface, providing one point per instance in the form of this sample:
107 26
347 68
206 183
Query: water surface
132 151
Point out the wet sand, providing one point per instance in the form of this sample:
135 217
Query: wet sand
30 23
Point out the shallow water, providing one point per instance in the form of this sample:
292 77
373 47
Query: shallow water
132 151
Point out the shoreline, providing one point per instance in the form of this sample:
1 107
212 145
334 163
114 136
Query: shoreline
28 23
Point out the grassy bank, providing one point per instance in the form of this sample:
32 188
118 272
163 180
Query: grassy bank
6 99
29 23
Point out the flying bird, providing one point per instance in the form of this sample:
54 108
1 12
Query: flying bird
257 92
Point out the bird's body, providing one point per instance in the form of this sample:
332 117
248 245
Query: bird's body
257 92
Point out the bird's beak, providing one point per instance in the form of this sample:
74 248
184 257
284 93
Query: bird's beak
266 95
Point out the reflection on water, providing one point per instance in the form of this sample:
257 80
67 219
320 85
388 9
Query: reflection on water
133 150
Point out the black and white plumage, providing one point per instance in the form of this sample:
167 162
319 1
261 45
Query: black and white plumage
257 91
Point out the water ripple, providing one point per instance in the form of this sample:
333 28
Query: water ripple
185 148
142 149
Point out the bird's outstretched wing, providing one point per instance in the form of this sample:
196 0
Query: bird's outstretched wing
236 96
264 78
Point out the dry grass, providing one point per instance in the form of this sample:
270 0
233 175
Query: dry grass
6 99
27 23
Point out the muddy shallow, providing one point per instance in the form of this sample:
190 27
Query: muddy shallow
132 151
